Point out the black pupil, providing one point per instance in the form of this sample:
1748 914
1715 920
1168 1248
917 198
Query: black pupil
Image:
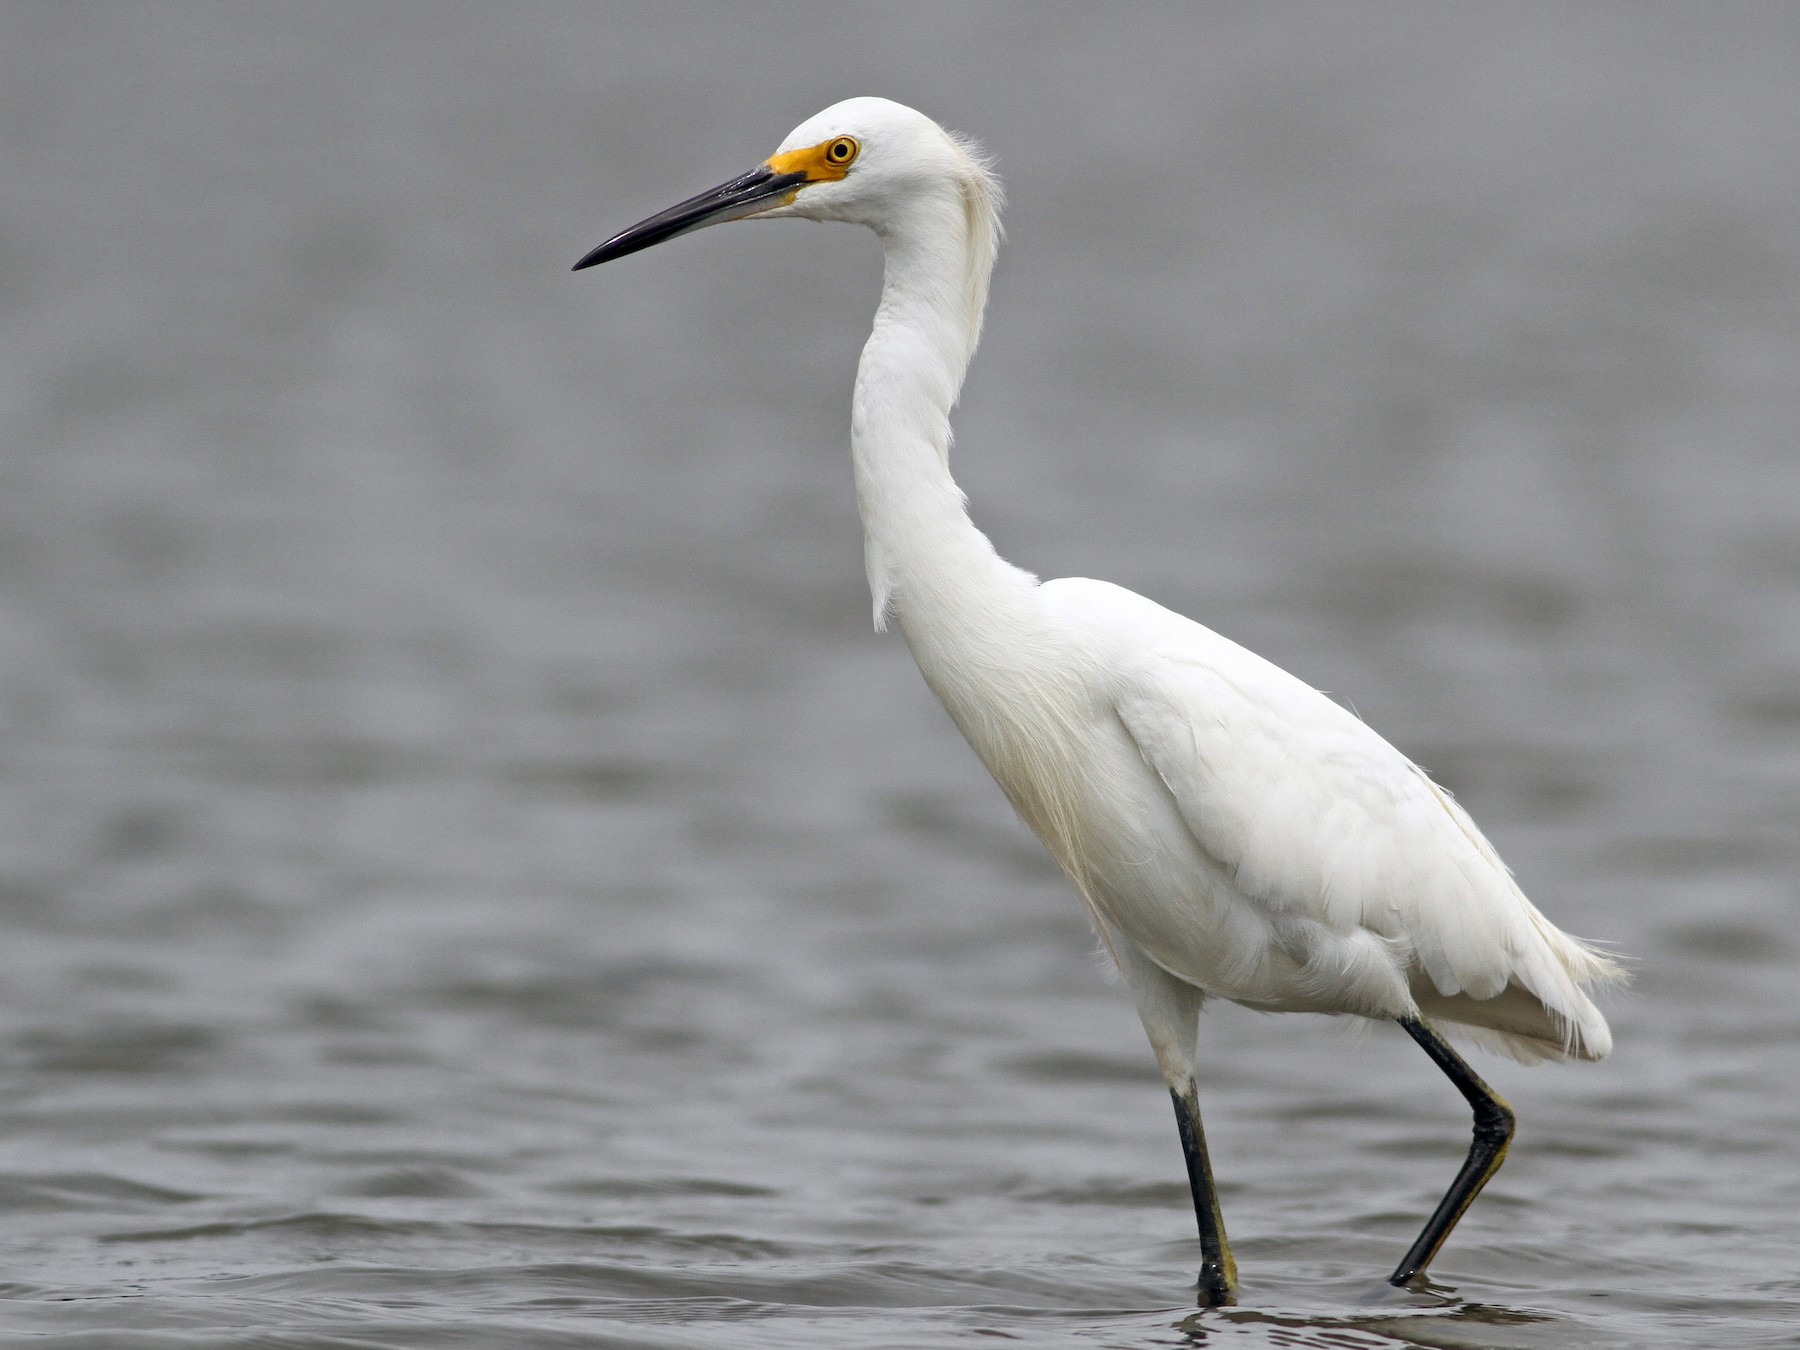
840 151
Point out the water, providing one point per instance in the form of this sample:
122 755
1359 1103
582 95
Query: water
470 878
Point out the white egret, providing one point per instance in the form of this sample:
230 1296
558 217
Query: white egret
1233 832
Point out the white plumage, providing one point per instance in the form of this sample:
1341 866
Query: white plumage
1318 870
1234 832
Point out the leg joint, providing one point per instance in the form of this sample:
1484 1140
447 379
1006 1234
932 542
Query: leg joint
1494 1122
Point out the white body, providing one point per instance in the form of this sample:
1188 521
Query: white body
1233 831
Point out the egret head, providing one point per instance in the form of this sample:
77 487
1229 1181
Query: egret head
860 161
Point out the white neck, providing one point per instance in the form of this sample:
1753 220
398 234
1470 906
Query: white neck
925 558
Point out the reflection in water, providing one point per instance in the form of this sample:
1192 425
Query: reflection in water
1438 1320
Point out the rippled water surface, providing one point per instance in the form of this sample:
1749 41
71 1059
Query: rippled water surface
468 874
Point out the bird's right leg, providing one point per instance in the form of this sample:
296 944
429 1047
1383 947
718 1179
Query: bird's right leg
1493 1132
1170 1011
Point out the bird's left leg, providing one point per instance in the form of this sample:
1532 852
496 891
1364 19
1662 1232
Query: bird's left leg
1493 1132
1170 1010
1218 1270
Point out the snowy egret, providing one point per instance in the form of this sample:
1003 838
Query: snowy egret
1233 832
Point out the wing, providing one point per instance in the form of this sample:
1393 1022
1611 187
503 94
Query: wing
1325 825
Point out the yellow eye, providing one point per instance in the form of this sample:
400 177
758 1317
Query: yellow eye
841 151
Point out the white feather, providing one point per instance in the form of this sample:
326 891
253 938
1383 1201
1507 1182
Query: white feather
1233 832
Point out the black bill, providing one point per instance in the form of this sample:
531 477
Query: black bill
728 201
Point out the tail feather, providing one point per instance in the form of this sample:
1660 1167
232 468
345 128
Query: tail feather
1544 1011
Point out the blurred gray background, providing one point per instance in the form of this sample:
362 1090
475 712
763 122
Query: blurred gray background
466 863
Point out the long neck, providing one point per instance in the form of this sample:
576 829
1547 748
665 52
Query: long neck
925 557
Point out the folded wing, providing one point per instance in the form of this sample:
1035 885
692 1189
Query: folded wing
1346 845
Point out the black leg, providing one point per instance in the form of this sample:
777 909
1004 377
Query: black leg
1218 1272
1493 1132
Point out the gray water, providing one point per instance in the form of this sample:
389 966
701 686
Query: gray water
470 877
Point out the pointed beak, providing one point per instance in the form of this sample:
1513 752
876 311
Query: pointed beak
744 196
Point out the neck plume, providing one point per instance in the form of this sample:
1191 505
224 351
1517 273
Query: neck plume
925 558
